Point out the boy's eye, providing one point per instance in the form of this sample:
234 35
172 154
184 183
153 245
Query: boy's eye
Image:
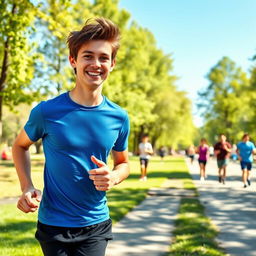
105 58
101 58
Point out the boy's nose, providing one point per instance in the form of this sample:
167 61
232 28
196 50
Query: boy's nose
96 63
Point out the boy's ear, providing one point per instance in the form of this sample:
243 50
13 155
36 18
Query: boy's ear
72 61
113 64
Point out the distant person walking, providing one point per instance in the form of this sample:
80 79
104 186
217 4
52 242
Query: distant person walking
191 153
222 151
245 151
203 151
6 153
162 152
145 151
211 151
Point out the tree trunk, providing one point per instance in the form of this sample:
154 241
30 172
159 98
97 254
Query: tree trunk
140 134
2 82
3 76
153 140
135 143
1 117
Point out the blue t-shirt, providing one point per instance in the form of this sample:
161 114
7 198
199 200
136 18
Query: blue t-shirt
71 133
246 150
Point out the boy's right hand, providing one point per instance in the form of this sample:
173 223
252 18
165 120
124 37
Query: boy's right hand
28 202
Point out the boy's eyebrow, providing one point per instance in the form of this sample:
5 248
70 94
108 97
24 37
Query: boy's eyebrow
90 52
87 51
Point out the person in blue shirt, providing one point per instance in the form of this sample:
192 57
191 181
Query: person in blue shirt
79 129
245 151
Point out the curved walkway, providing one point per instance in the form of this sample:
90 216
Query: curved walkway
231 207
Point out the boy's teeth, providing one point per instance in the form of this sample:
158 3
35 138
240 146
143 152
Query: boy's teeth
93 74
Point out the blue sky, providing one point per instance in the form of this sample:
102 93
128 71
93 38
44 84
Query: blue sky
198 33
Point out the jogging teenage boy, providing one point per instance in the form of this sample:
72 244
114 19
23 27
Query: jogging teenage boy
79 128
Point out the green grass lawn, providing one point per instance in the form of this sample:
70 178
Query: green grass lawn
9 183
17 229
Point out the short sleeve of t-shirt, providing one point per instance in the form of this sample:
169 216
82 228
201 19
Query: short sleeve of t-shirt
122 141
251 145
35 125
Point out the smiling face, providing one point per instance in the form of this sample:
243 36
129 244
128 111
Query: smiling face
93 63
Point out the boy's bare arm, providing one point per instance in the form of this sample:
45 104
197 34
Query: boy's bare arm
21 157
121 165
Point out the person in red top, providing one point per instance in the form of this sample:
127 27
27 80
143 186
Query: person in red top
6 153
222 151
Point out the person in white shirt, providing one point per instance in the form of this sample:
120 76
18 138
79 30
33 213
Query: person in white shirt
145 151
211 151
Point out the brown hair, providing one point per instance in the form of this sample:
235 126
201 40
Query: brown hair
204 140
245 135
94 29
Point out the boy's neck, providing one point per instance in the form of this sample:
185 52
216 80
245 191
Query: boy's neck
85 97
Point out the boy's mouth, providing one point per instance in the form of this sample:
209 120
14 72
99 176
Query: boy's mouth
92 73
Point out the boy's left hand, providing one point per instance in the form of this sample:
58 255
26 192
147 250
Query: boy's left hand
103 178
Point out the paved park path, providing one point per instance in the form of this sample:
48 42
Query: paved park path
147 229
231 207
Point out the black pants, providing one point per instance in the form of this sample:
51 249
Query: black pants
144 161
85 241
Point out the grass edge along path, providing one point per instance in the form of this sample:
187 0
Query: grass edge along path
194 234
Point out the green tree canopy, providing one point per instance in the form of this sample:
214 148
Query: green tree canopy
225 102
16 53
